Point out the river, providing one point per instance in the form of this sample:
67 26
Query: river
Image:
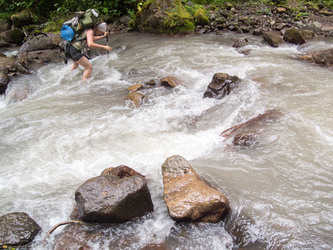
66 131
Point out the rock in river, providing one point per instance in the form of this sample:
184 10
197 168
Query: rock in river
187 196
110 198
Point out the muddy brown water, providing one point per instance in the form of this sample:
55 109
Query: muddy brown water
280 189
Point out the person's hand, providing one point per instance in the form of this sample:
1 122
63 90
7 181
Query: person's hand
106 33
108 48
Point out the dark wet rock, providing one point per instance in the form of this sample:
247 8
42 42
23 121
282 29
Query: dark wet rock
41 42
25 17
272 39
241 42
136 97
15 36
77 236
170 81
4 80
187 196
297 36
323 57
17 229
109 199
221 85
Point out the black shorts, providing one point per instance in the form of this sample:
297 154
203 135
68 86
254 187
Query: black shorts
74 53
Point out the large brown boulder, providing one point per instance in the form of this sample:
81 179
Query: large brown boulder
187 196
298 36
110 198
323 57
221 85
41 42
42 56
17 229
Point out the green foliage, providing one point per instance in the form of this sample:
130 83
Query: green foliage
44 8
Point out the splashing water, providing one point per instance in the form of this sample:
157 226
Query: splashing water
66 132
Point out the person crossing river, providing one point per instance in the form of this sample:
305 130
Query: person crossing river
87 38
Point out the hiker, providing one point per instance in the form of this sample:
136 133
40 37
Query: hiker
87 38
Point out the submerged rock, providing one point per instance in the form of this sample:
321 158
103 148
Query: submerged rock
189 198
247 133
135 87
17 229
136 97
221 85
323 57
109 198
170 81
241 42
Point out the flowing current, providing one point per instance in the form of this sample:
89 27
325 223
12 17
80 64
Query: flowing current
280 189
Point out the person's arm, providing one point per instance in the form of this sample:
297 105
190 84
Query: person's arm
91 38
96 38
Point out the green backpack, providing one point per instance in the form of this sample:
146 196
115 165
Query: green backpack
83 20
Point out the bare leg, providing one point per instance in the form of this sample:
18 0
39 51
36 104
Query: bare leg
84 62
75 65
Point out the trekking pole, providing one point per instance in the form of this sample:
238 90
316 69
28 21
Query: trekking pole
107 43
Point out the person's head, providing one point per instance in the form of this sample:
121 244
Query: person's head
100 28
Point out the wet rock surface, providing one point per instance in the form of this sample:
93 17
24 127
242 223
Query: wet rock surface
109 198
17 229
187 196
221 85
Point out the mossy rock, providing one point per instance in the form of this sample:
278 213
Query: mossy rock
14 36
298 36
25 17
164 16
179 21
54 27
201 17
